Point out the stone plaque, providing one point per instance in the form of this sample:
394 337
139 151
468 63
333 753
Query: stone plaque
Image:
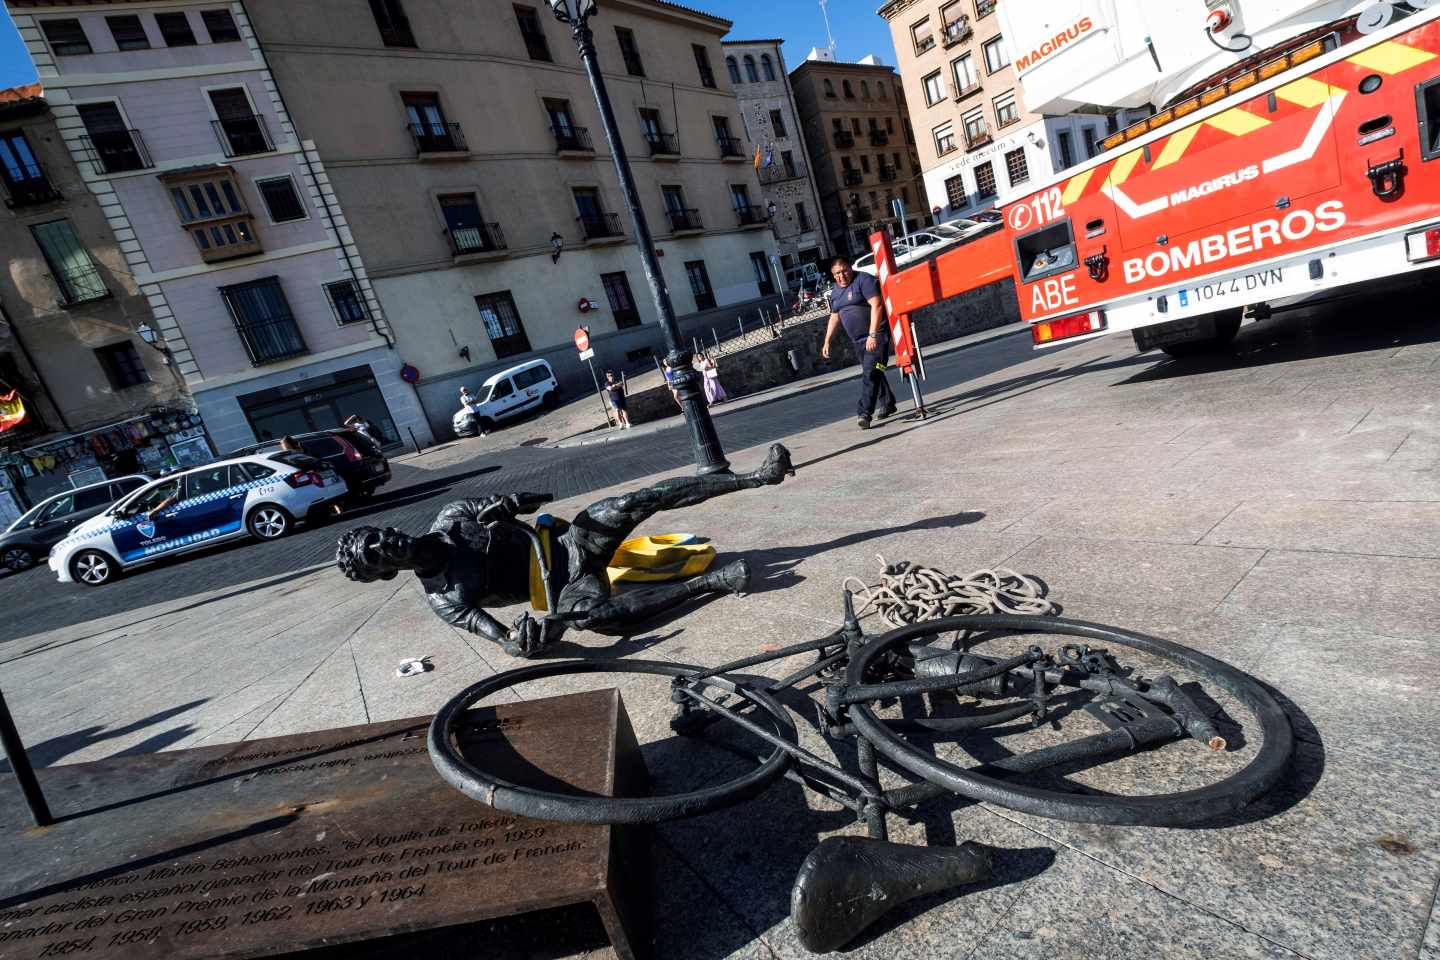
285 845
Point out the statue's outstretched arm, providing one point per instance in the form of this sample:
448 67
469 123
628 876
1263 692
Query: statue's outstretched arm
470 619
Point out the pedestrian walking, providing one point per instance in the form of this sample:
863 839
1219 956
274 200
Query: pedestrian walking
714 391
669 372
855 304
615 390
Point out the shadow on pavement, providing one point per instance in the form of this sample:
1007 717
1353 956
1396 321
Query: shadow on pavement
48 752
774 568
1302 334
991 394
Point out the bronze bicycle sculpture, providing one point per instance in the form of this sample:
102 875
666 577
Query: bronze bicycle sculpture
478 554
848 882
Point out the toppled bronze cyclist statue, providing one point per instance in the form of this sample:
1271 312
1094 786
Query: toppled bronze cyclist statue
478 555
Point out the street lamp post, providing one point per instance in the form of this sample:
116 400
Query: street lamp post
709 457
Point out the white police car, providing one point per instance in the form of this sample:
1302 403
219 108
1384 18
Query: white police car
261 496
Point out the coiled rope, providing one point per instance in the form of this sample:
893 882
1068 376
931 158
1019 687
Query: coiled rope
909 592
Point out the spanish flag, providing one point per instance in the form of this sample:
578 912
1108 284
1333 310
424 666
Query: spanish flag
757 158
12 409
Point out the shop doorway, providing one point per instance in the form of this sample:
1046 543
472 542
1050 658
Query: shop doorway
320 403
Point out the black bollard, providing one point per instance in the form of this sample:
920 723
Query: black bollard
20 763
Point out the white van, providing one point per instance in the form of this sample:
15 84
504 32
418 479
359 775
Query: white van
507 394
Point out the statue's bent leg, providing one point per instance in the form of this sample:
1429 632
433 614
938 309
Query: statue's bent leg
601 527
588 605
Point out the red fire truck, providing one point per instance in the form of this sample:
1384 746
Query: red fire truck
1297 170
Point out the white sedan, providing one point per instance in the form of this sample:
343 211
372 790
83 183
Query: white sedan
923 246
261 496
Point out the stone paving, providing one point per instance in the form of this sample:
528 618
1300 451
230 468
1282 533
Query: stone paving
1280 510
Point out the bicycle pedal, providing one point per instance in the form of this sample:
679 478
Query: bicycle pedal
1115 712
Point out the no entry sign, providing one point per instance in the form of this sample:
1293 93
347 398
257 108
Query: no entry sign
582 339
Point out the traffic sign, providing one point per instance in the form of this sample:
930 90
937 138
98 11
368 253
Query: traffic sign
582 339
587 353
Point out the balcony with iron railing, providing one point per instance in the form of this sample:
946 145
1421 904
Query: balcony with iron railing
26 184
853 178
729 147
750 215
781 172
947 146
960 93
271 340
879 138
662 144
888 173
479 240
983 8
437 137
958 31
925 43
117 151
802 222
844 138
571 140
684 220
80 283
977 135
600 226
241 136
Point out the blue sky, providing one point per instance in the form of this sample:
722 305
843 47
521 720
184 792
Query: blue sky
857 30
15 66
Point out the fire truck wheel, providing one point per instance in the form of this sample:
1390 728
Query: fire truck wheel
1227 325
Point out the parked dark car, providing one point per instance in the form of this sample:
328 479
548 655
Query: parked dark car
28 540
348 452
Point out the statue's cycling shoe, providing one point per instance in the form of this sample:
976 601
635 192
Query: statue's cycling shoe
777 465
734 577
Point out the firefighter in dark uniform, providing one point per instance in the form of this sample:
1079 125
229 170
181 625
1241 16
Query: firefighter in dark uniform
856 305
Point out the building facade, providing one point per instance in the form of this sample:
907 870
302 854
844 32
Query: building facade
757 71
223 214
90 399
465 143
862 152
978 144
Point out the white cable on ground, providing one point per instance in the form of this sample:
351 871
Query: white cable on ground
908 593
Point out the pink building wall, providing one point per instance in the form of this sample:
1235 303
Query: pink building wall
218 349
167 244
173 117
